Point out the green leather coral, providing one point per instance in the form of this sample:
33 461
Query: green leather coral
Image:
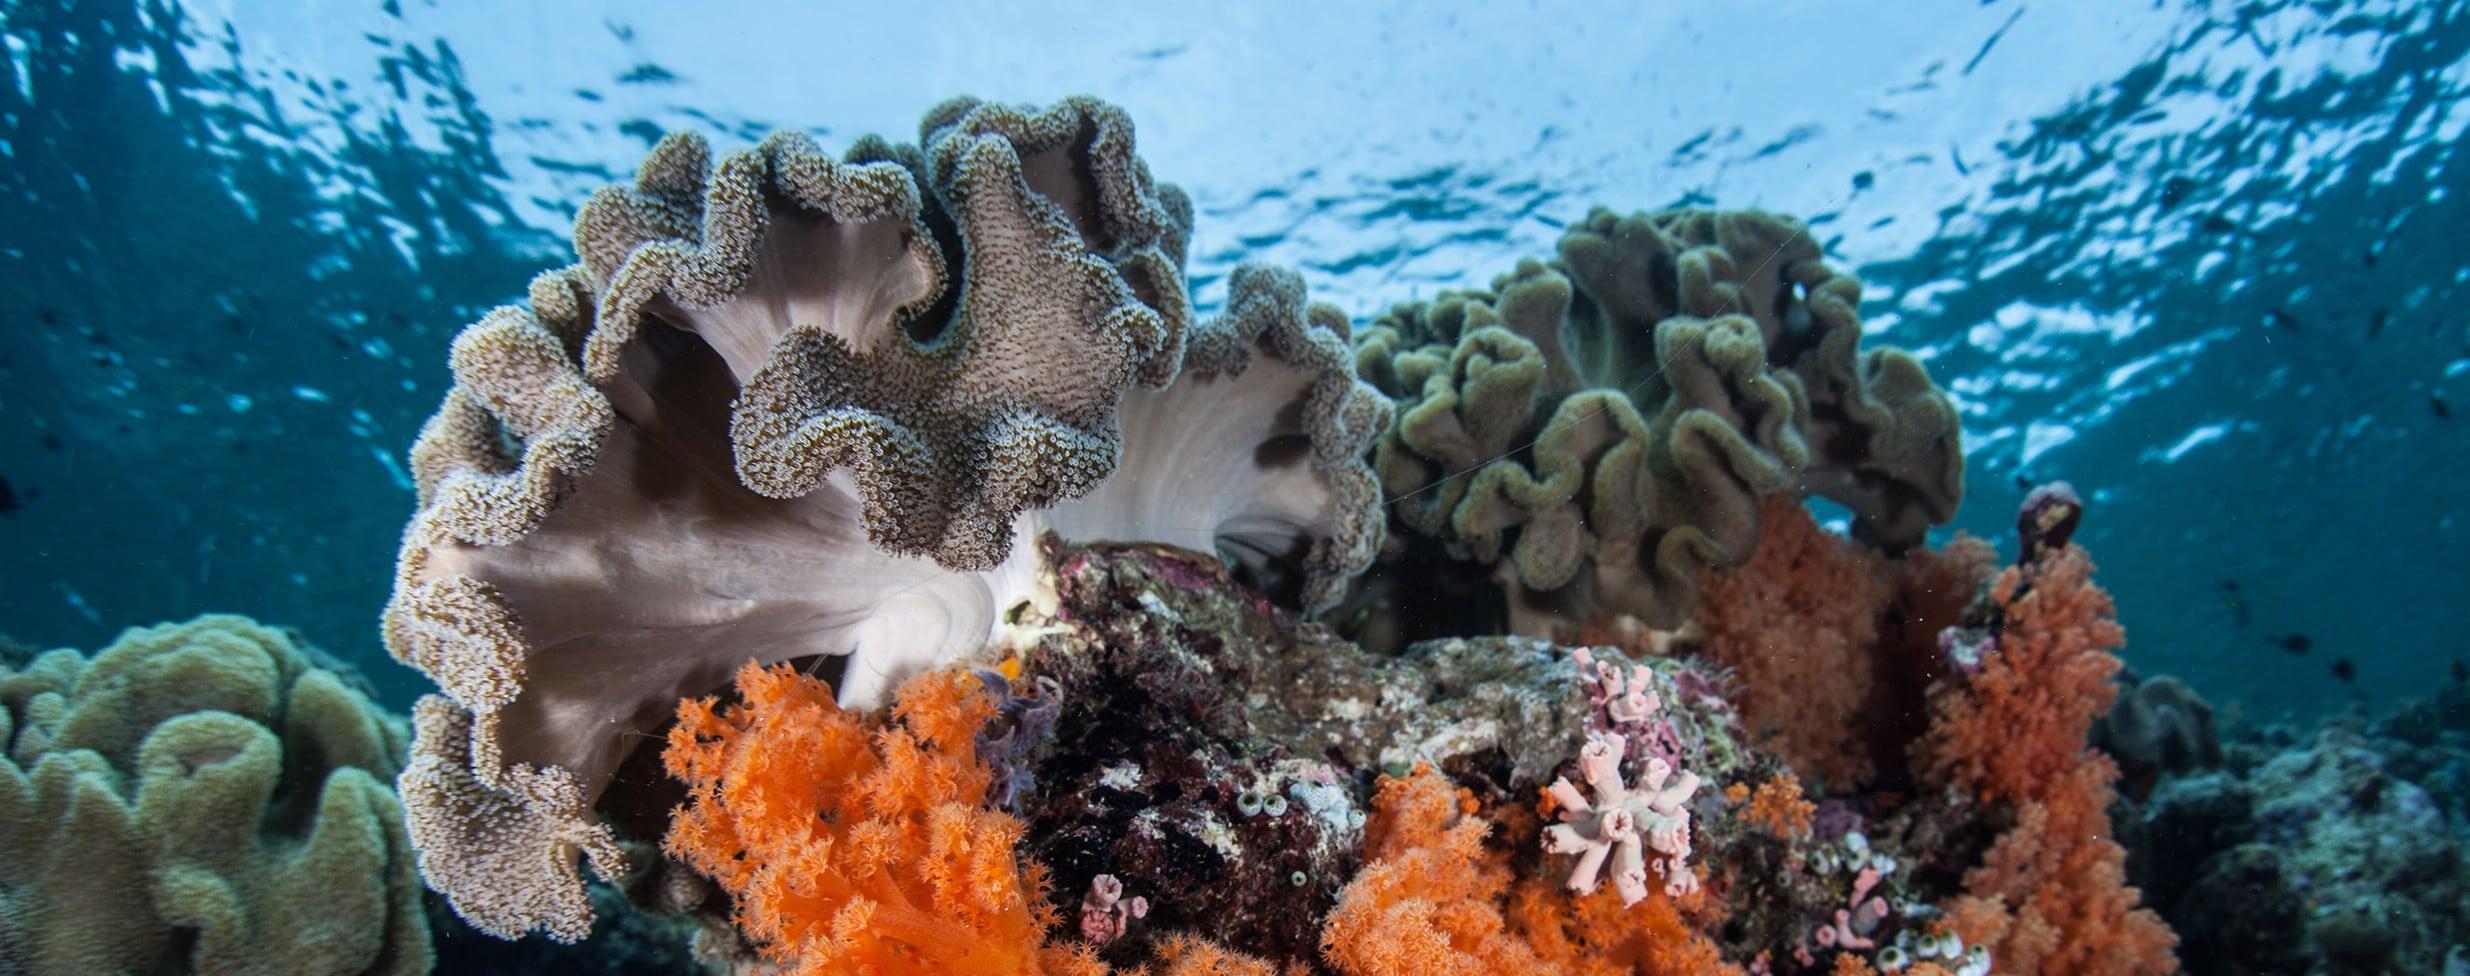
1601 426
199 797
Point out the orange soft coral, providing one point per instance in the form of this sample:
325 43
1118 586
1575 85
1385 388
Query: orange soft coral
1181 954
855 846
1596 935
1434 899
1798 624
1428 900
2050 894
2020 724
1778 807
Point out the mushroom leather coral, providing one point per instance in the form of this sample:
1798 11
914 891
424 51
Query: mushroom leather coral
1599 427
853 846
789 405
1433 898
2050 895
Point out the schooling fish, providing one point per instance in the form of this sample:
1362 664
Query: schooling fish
8 496
2345 671
2294 643
2437 406
2236 603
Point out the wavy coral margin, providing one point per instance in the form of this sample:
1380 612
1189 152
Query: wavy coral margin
743 424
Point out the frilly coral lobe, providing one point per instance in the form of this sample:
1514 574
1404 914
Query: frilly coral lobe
1603 425
788 406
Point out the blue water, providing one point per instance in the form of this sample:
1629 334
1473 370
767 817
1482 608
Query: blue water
2202 259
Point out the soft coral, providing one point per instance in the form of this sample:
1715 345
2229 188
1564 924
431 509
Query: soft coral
853 845
1434 898
2051 892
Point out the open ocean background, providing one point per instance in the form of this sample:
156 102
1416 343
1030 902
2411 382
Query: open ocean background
2207 260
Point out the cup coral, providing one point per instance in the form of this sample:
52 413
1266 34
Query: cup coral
1624 823
787 407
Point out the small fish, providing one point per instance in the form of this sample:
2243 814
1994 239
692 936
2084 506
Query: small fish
2295 643
51 442
2023 482
8 497
2437 406
2461 670
2236 603
2376 322
2283 318
2345 671
2175 191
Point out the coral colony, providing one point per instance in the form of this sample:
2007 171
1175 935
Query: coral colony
877 562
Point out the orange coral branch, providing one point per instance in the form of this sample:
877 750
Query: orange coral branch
1798 623
850 845
2050 894
1433 898
1778 807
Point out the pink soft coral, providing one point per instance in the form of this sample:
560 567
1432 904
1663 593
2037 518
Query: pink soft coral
1798 626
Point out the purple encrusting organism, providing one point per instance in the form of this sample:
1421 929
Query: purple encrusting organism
1964 647
1626 705
2048 518
1020 725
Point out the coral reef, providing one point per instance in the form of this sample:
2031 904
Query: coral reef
1603 425
935 427
788 407
2326 855
200 797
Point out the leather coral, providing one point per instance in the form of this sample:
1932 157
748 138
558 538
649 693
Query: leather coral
789 406
1601 426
